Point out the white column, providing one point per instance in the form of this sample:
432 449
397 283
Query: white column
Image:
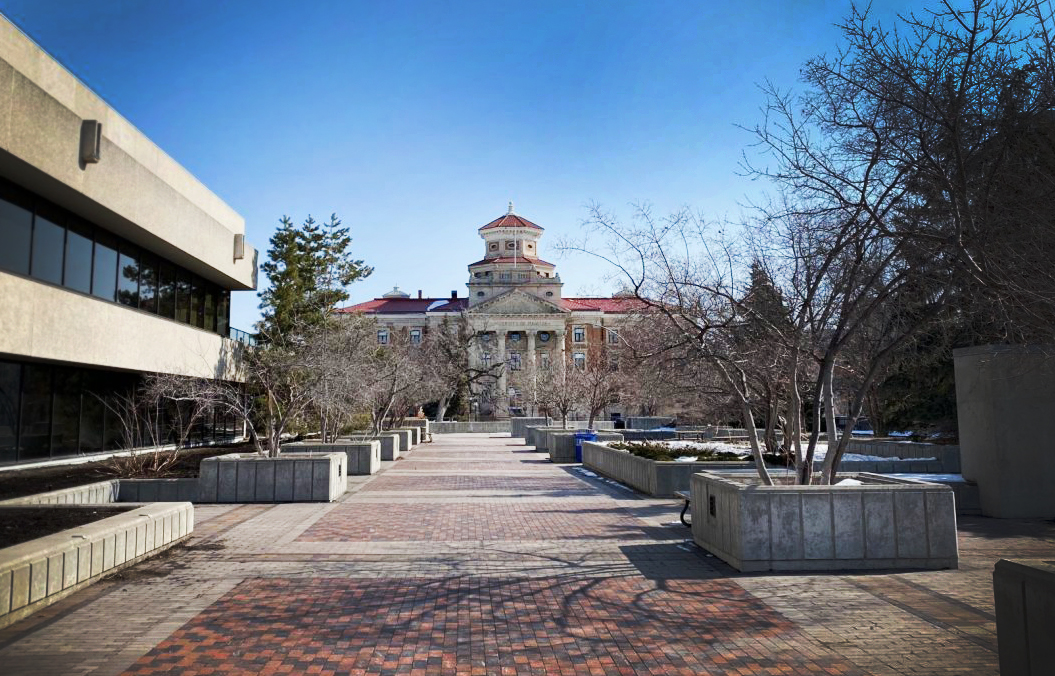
560 346
531 347
500 357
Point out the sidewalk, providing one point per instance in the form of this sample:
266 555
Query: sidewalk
475 555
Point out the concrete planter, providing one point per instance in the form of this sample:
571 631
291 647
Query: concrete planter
421 423
364 457
518 426
1025 616
648 435
390 445
158 490
37 573
656 478
886 523
484 426
562 444
415 434
98 493
294 477
406 439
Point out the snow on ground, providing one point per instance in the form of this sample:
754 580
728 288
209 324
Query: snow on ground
950 478
819 453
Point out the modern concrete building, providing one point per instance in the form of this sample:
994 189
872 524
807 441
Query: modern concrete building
515 302
114 261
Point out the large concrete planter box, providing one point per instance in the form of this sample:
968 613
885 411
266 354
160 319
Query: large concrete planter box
406 439
364 456
1024 592
536 435
158 490
886 523
293 477
562 444
654 477
421 423
37 573
518 426
415 434
390 445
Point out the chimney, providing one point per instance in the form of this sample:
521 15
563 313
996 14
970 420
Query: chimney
419 294
454 295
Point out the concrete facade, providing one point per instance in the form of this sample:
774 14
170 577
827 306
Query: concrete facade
1004 398
886 523
1024 591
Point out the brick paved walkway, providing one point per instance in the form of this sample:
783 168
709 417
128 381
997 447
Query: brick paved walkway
471 556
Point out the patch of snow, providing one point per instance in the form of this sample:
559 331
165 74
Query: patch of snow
849 482
435 304
943 478
685 458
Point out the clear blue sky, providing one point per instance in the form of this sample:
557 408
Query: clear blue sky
416 122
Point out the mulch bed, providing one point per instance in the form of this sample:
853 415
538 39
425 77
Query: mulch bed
22 524
22 482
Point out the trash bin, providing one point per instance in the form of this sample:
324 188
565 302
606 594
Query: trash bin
585 435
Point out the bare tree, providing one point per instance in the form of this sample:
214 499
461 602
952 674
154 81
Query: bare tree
446 357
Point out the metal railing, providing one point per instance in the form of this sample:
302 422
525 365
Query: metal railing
241 336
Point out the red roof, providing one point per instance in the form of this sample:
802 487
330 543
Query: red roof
396 306
510 221
618 305
512 259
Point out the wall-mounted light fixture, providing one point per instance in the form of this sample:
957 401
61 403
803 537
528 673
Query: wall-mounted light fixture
91 141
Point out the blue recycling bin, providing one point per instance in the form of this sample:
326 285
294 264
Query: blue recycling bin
585 435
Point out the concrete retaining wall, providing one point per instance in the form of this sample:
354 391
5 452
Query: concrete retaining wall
657 478
947 456
486 426
888 523
37 573
294 477
158 490
1025 616
98 493
518 426
647 435
562 444
649 422
364 457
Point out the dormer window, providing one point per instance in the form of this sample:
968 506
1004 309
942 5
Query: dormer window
511 245
493 246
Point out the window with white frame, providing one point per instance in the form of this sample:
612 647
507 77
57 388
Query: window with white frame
382 336
415 336
543 360
485 358
613 337
514 361
579 359
578 334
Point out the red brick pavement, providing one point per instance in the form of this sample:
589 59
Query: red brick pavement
555 484
366 522
488 626
458 466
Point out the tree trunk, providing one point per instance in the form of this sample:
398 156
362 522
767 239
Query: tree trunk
752 436
828 387
441 408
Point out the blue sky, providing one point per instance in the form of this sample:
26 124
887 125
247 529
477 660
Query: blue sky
416 122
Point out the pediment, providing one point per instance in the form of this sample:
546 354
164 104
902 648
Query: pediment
517 303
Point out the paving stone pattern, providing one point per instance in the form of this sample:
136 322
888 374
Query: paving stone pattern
474 556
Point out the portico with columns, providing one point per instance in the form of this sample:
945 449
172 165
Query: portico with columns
515 306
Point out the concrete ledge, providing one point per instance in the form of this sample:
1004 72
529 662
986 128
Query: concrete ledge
364 457
99 493
562 444
415 435
654 477
423 425
489 426
886 523
296 477
406 439
1025 616
37 573
157 490
647 435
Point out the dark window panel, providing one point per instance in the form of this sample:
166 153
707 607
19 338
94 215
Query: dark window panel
210 308
10 393
78 269
92 413
148 283
16 229
66 412
104 271
35 427
166 290
128 276
49 242
197 310
183 296
223 313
